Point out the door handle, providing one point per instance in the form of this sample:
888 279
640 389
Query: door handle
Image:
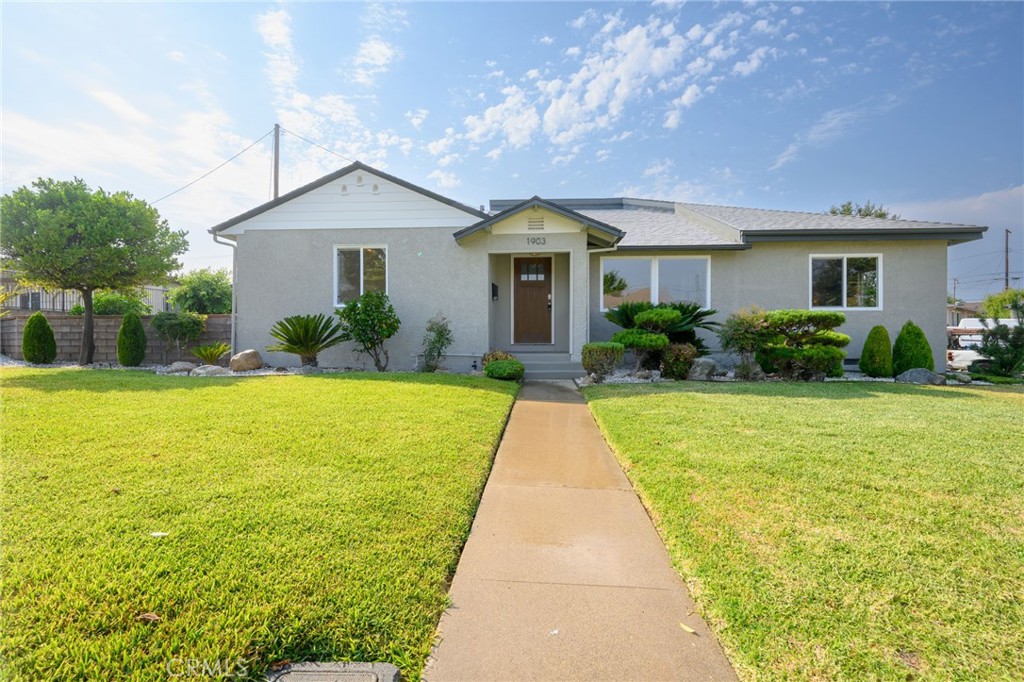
549 301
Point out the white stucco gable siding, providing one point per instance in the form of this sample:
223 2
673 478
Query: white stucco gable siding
358 200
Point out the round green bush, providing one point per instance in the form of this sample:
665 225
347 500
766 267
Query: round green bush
641 339
911 350
131 341
506 370
876 358
37 342
658 319
601 359
677 360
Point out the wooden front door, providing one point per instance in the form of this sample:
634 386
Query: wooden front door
531 317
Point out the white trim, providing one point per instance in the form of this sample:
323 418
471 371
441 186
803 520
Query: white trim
360 248
844 256
512 295
655 272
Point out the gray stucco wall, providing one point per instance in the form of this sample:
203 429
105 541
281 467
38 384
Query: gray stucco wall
776 275
281 273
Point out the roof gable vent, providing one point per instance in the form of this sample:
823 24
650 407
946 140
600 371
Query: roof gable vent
535 223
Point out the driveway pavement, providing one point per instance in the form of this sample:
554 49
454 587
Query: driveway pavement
564 576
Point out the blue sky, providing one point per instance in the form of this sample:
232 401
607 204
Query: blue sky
918 106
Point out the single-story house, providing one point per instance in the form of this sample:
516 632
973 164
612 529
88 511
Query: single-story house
529 276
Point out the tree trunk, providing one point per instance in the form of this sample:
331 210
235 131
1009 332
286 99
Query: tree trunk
88 346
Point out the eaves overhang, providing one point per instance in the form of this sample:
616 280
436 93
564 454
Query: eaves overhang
604 233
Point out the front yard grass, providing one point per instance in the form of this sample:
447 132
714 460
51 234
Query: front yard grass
307 518
838 531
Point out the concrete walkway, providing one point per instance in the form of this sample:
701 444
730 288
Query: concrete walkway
564 576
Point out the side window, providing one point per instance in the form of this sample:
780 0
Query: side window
359 269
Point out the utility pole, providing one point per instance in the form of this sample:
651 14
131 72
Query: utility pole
955 282
276 157
1006 262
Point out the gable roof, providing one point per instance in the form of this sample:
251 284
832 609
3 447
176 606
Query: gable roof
610 234
355 166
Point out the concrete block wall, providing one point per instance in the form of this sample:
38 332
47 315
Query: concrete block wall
67 330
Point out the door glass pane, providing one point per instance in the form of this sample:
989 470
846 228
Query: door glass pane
374 270
827 282
683 279
348 276
862 282
626 279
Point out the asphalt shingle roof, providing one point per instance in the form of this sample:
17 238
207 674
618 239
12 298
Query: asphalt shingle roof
756 219
658 228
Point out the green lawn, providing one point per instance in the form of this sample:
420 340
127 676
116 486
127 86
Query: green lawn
838 531
307 518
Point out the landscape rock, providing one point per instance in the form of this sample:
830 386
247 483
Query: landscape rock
703 369
280 369
305 369
962 377
586 381
643 374
180 366
209 371
726 361
921 376
246 360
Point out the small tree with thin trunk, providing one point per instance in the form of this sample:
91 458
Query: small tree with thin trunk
62 235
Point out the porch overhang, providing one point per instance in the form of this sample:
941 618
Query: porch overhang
599 234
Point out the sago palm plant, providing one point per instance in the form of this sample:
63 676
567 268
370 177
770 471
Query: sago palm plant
211 352
306 336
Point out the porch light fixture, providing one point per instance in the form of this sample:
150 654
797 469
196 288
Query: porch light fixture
494 291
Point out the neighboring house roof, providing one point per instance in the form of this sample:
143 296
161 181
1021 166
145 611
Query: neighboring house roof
608 233
356 166
651 223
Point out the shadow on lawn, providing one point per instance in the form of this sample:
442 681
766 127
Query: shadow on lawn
852 390
55 380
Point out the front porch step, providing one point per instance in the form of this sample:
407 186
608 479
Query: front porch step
550 366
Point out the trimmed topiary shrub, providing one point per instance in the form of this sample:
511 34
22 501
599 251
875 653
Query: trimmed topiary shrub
505 370
644 344
131 341
37 342
876 357
911 350
492 355
802 344
677 359
601 359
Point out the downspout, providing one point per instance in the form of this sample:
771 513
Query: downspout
234 288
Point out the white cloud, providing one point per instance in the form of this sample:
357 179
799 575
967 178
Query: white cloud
274 28
658 167
602 155
533 74
379 16
690 96
718 52
672 119
175 55
765 27
443 179
515 118
438 147
546 40
573 51
374 58
796 10
753 62
120 106
996 209
416 118
696 32
790 37
699 67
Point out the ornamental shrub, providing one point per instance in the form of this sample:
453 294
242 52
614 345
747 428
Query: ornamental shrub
505 370
876 357
802 344
38 345
658 320
435 342
601 359
178 328
306 336
131 341
369 321
114 303
646 345
1003 345
911 350
211 353
683 330
492 355
677 359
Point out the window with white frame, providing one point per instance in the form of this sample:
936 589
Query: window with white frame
656 279
850 281
359 269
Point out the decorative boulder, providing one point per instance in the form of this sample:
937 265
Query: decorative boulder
963 377
921 376
703 369
209 371
305 369
246 360
178 367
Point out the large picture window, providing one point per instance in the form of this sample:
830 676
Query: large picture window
359 269
846 281
662 279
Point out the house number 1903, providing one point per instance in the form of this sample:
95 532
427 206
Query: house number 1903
536 241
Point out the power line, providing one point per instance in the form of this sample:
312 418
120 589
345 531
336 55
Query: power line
329 151
977 255
209 173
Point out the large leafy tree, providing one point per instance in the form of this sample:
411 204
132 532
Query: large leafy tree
868 210
62 235
203 291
